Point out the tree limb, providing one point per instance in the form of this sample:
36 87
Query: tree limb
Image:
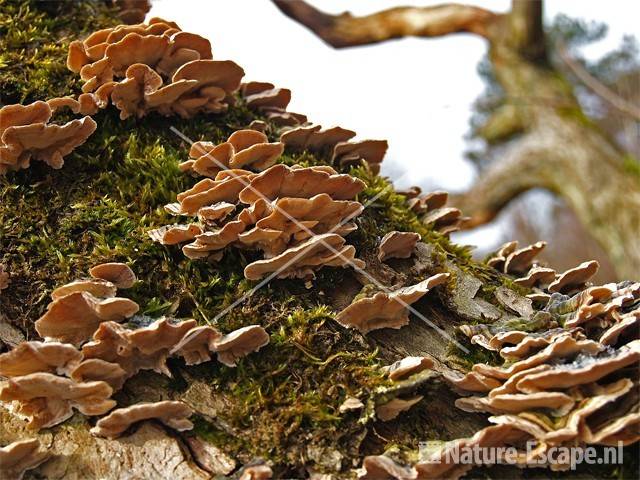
524 166
596 86
345 30
527 31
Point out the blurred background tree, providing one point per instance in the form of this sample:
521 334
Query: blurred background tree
551 129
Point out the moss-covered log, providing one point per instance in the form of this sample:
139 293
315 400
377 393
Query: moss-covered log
281 404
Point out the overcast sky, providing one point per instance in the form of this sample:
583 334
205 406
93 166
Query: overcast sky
416 93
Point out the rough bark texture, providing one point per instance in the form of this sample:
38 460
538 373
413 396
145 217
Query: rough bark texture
553 145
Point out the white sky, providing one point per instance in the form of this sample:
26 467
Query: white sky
416 93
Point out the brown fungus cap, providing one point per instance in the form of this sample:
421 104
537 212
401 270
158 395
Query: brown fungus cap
197 344
558 402
212 241
282 181
580 373
387 310
301 261
285 119
500 257
395 407
73 318
18 457
96 287
407 366
244 149
120 274
172 413
95 369
562 346
209 192
174 234
575 278
314 138
441 464
370 151
48 400
163 334
349 404
33 357
295 219
536 277
25 135
240 343
273 99
522 259
381 467
397 245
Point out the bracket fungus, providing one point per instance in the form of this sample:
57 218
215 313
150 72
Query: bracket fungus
407 367
120 274
371 152
174 234
381 467
397 245
33 357
393 408
197 344
73 318
575 278
283 211
282 181
129 64
18 457
314 138
25 134
536 277
240 343
173 414
498 260
387 309
301 261
521 260
243 149
47 400
264 96
95 369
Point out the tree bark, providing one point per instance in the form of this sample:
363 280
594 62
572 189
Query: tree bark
553 144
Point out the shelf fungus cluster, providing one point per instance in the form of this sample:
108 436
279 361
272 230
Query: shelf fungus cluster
569 374
26 134
572 391
528 272
88 355
387 309
271 102
431 209
297 217
152 67
336 141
